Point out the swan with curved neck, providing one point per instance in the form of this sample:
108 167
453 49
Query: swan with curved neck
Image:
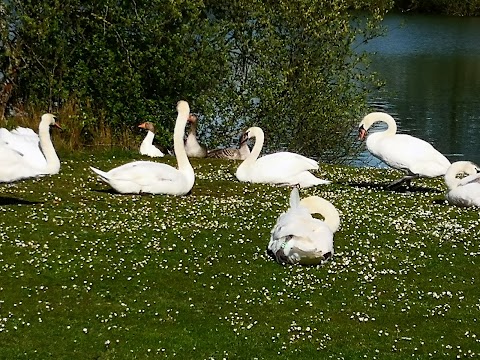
147 147
299 238
232 154
466 191
414 156
155 178
24 154
192 147
283 168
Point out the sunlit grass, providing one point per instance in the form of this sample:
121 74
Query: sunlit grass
86 273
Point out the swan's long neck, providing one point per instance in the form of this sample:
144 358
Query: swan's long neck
456 168
374 117
178 145
257 148
149 138
53 162
193 129
317 205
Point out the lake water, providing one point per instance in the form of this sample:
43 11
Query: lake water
431 65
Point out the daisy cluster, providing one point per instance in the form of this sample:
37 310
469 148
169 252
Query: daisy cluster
189 277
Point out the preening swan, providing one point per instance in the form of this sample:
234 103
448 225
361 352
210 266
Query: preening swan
192 147
466 191
147 147
24 154
233 154
404 152
156 178
283 168
299 238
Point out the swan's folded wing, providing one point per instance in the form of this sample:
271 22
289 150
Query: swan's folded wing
26 142
406 152
13 166
144 172
282 165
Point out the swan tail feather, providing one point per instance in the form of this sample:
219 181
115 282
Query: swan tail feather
294 197
101 174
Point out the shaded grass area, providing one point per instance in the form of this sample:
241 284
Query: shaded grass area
89 274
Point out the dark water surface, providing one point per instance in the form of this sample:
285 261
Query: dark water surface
431 65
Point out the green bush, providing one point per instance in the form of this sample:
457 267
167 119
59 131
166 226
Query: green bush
291 68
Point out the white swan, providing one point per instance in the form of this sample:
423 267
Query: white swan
466 191
147 147
156 178
404 152
299 238
232 154
283 168
24 154
192 147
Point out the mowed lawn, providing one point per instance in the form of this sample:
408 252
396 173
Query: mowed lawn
89 274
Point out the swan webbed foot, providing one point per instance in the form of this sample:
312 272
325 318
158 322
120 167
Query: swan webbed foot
327 256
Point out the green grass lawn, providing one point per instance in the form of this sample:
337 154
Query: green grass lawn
89 274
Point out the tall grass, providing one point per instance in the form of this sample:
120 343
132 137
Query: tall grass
89 274
81 130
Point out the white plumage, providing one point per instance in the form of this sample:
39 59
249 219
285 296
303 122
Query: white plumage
284 168
299 238
192 147
24 154
147 147
156 178
404 152
465 191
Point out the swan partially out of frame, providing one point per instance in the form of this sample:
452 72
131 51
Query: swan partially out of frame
299 238
465 191
414 156
232 154
147 147
192 147
155 178
283 168
24 154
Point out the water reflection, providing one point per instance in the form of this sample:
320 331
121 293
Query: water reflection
431 65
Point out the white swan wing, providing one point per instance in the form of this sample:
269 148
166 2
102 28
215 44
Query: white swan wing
26 142
313 248
151 150
466 195
14 167
408 153
305 242
280 168
297 237
146 177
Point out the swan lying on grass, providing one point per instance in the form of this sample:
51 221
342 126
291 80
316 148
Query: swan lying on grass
466 191
155 178
24 154
192 147
147 147
283 168
299 238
